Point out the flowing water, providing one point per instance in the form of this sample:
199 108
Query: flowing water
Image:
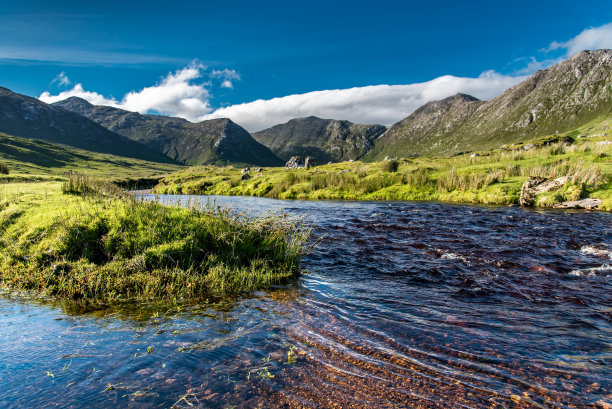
404 305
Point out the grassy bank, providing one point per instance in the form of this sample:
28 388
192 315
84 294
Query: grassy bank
492 177
79 240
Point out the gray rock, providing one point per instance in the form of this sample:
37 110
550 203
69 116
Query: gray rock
245 176
528 147
295 162
310 162
579 204
534 186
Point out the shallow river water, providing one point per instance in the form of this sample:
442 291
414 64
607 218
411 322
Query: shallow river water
404 304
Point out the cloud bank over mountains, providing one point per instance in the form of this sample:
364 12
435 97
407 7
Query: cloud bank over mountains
186 92
376 104
181 94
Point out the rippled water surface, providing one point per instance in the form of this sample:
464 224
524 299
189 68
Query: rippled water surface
405 305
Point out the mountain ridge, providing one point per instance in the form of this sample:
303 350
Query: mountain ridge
328 140
553 100
31 118
215 141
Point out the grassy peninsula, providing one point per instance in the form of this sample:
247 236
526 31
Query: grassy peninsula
487 177
84 239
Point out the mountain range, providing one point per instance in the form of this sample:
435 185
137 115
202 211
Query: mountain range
216 141
28 117
555 100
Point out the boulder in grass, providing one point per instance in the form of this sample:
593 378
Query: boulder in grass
295 162
534 186
310 162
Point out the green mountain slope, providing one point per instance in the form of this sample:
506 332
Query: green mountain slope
30 118
327 140
25 156
215 141
558 99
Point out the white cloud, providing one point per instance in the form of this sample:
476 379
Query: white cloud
382 104
61 79
593 38
590 39
176 95
226 76
179 94
78 91
535 65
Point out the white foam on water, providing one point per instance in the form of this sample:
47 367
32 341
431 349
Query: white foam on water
594 251
592 272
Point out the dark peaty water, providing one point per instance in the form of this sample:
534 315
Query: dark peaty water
406 305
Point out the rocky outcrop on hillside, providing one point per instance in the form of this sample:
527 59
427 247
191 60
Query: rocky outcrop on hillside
326 140
216 141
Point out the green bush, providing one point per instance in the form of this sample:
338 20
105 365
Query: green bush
391 166
4 169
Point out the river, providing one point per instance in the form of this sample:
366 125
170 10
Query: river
403 304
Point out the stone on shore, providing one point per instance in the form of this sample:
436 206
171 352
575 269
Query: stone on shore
534 186
579 204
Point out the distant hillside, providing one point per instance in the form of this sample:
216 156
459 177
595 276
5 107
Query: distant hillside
325 139
557 99
27 156
30 118
216 141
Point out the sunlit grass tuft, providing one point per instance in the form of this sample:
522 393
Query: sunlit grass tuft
102 247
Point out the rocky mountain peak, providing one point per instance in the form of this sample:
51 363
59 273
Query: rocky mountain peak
557 99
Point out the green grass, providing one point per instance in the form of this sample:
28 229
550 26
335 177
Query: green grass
35 160
491 177
98 246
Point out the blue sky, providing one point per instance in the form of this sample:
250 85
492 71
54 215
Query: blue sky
240 52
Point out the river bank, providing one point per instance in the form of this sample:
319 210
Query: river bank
492 177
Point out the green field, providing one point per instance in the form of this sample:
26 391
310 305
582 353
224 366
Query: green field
490 177
32 160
